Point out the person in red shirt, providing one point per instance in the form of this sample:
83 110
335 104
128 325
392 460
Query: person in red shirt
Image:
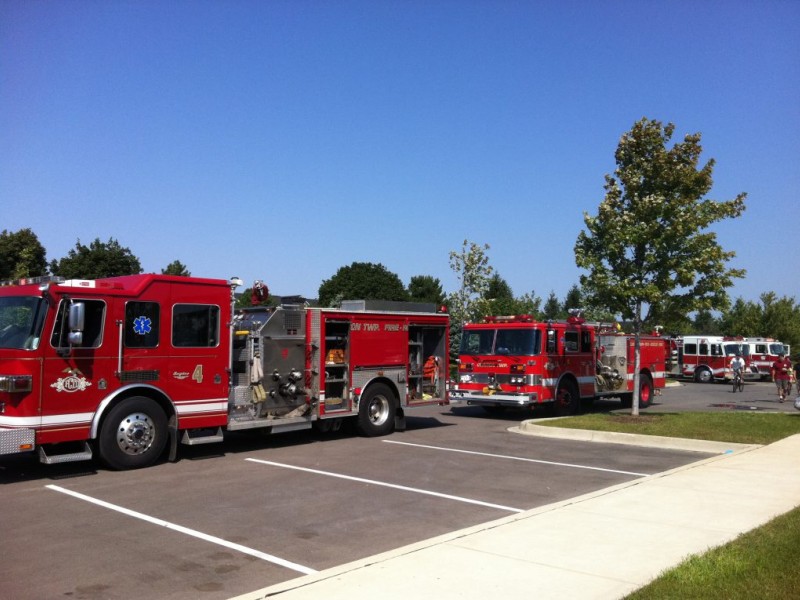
782 375
797 374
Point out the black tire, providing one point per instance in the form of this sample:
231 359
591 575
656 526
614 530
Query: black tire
376 411
133 435
645 391
703 375
567 399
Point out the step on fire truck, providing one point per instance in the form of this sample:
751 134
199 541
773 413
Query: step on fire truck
707 358
124 367
519 362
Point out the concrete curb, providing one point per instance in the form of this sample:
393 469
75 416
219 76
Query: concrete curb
630 439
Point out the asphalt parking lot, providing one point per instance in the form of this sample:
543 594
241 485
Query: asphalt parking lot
256 511
758 396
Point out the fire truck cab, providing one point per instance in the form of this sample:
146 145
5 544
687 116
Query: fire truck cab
125 367
764 352
519 362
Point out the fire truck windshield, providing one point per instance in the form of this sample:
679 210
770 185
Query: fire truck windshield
777 349
741 349
21 320
509 342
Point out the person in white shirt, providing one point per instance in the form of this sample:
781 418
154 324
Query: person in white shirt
737 364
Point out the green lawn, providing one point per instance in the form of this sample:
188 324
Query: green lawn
760 564
739 427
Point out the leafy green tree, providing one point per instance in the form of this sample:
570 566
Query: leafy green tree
742 318
705 322
424 288
649 241
527 304
498 299
472 269
361 281
781 318
498 289
773 317
21 255
98 259
176 267
573 299
552 307
671 320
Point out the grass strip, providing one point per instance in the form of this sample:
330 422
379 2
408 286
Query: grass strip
756 565
738 428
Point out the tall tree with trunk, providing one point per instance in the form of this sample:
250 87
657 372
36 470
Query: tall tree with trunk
472 269
649 247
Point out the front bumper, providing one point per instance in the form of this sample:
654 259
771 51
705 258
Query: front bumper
475 397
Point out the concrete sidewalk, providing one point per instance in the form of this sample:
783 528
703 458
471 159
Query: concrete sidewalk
600 545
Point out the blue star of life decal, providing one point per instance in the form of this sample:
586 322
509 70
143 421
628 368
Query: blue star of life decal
142 325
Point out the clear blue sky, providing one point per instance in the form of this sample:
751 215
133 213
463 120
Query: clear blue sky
281 140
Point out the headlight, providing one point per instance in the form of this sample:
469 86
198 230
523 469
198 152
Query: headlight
16 383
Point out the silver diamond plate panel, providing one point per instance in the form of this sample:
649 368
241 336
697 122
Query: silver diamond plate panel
362 377
316 344
12 439
242 395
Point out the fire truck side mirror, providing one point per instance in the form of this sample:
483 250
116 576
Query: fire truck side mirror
551 341
77 320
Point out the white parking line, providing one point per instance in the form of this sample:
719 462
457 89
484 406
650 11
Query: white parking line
187 531
389 485
532 460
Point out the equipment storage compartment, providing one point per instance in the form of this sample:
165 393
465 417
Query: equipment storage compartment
426 354
337 337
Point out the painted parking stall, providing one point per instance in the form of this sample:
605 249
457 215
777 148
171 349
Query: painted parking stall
223 524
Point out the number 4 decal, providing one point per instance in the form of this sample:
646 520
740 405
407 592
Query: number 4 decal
197 375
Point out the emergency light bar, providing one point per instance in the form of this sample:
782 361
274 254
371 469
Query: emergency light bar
33 280
508 319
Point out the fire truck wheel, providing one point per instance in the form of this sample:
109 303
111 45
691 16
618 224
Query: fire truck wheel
645 391
703 375
376 411
133 434
567 399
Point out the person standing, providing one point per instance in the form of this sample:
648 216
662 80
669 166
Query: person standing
797 374
782 376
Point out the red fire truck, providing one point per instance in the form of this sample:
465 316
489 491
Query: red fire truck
519 362
707 358
764 352
126 366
